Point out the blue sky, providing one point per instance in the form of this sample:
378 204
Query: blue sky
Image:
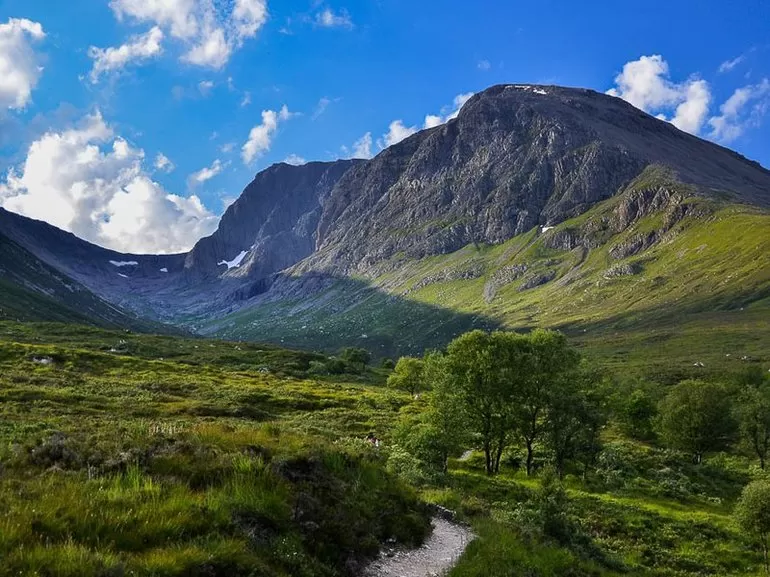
96 90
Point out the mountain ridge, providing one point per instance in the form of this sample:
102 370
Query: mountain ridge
518 158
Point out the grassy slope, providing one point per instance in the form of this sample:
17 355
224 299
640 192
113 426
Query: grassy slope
702 292
30 290
184 457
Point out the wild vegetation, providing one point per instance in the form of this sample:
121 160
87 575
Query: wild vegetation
130 454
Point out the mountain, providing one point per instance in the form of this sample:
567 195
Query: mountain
31 290
537 205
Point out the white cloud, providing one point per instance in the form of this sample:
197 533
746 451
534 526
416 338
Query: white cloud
645 83
178 16
205 87
742 110
212 49
19 67
227 147
163 163
484 65
209 31
728 65
321 107
90 181
260 137
139 48
362 148
691 114
246 100
248 17
327 18
205 173
397 131
295 160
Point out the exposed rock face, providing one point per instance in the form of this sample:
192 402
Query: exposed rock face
515 158
274 221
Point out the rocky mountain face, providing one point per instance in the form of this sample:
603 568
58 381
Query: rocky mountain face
517 158
274 222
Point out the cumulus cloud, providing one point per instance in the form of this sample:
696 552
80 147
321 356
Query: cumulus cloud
139 48
261 136
206 173
208 31
645 83
362 148
19 64
163 163
744 109
327 18
295 160
398 131
91 182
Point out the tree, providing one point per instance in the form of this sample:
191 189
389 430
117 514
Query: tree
482 367
356 356
752 513
407 375
754 418
446 413
695 417
638 412
577 412
546 365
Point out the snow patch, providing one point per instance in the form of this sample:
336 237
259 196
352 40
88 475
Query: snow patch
528 88
236 262
121 274
164 269
545 228
121 263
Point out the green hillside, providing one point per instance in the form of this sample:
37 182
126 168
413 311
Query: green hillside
681 281
127 454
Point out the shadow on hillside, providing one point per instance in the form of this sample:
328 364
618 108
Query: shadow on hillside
323 312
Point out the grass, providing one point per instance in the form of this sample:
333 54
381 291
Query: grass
126 464
166 456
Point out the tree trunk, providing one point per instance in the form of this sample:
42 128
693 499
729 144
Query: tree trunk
530 457
488 458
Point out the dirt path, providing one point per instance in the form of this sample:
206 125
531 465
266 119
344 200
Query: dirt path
436 557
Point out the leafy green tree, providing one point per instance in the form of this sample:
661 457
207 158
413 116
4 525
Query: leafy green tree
546 365
446 413
753 413
482 367
752 514
356 356
695 417
576 415
407 375
637 414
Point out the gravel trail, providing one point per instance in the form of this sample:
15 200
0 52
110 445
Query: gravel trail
436 557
